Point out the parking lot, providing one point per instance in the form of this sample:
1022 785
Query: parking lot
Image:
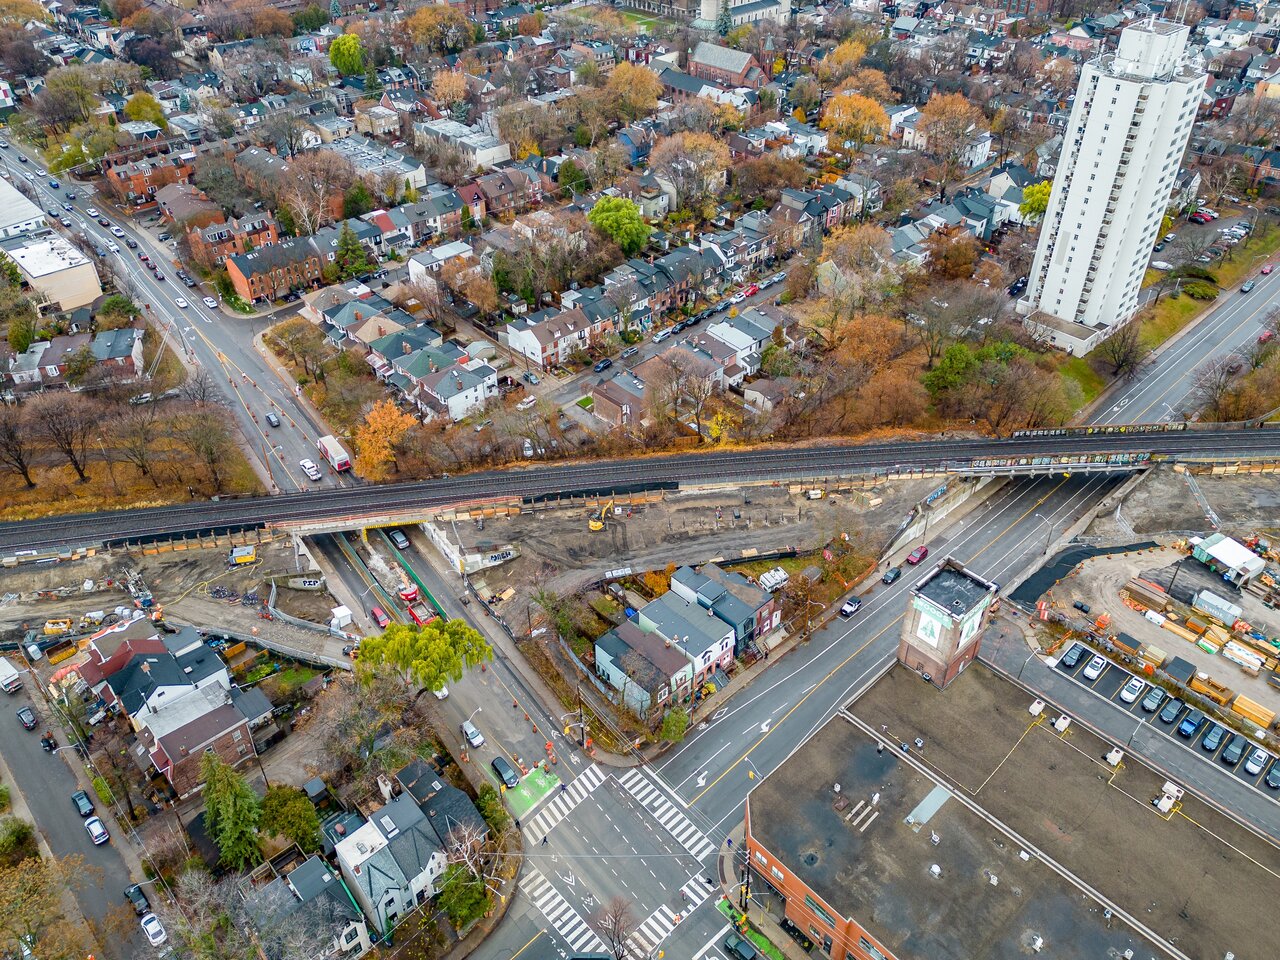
1230 751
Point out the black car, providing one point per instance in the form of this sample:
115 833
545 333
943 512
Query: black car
1272 779
84 806
1213 739
505 771
273 420
1072 656
603 365
1234 750
27 717
131 244
1171 710
891 575
139 899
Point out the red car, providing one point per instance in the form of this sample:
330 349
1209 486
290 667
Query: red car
1200 218
1267 336
1268 268
752 290
379 617
918 554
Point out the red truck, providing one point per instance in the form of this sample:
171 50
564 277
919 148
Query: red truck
334 453
420 612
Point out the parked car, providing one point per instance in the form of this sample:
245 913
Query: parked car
603 365
739 948
631 351
309 468
472 734
1191 724
1272 779
1151 702
135 895
97 831
917 555
272 419
1093 669
84 806
1213 739
891 575
1266 336
154 930
27 717
526 403
530 378
661 335
1072 656
851 606
1234 750
505 771
379 617
398 538
1171 710
1132 690
1257 761
752 290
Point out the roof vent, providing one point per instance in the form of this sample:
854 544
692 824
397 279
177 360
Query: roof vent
935 871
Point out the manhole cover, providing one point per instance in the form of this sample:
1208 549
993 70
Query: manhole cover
810 859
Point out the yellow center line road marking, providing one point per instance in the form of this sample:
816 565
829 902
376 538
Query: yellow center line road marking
540 933
838 667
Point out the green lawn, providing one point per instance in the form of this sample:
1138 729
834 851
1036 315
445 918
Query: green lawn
586 403
1082 372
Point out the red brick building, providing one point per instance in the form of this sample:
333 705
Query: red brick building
271 272
214 243
733 68
136 181
223 731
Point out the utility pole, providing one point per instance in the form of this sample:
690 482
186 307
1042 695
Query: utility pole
582 719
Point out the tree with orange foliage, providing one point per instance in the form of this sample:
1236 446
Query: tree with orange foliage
952 257
854 120
376 437
438 28
634 89
950 124
271 22
449 87
869 82
530 25
841 62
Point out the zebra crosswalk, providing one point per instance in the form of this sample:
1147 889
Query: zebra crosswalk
563 918
672 820
659 924
562 802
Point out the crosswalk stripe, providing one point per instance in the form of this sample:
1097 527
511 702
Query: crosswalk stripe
563 802
562 916
672 820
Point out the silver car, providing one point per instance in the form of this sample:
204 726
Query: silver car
1257 761
471 734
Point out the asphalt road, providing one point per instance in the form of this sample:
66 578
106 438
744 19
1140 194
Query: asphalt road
217 341
47 784
1165 388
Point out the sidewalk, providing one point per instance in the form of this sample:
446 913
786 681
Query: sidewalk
299 396
759 918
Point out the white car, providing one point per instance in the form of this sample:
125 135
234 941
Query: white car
1095 668
154 930
442 693
97 832
1132 690
93 212
211 303
113 247
1257 762
117 232
181 302
309 468
526 403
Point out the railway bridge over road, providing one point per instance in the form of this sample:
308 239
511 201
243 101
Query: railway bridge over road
346 508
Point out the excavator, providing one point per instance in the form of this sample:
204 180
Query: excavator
595 522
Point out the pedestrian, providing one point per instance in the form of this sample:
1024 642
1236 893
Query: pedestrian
563 787
729 842
544 841
517 823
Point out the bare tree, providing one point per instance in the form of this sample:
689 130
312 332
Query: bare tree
207 436
1124 350
133 438
201 390
17 443
616 921
68 423
1214 381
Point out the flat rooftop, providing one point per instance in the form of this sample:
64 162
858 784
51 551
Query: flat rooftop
953 589
40 258
1189 878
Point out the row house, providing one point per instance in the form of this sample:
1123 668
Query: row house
136 181
510 191
649 674
438 215
270 272
707 641
212 244
439 380
117 354
550 337
480 148
752 611
811 213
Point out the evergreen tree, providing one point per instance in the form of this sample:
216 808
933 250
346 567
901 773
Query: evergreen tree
350 257
724 20
335 10
372 84
231 813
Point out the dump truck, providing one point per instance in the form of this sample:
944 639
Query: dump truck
421 612
334 453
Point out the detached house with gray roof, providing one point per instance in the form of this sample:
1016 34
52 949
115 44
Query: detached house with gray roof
392 862
308 904
751 611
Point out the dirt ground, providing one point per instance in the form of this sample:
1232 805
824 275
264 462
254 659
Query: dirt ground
1163 504
1098 584
178 580
560 554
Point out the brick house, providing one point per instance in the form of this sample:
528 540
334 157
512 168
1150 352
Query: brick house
214 243
177 754
270 272
186 205
509 191
733 68
136 181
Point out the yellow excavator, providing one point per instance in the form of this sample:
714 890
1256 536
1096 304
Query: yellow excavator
595 522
